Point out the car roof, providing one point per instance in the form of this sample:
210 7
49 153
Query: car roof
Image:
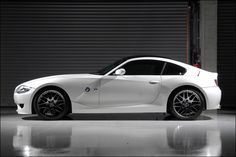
139 56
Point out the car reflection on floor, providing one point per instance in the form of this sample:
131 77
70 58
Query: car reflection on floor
110 138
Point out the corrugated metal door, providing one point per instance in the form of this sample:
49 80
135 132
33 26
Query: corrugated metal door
227 52
47 38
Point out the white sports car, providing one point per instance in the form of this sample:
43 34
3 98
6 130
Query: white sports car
131 84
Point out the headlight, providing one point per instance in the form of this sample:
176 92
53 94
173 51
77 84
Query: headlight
22 89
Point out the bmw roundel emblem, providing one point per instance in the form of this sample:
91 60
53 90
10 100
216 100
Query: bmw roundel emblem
87 89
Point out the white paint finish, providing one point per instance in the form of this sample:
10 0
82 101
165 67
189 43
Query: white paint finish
124 93
128 90
24 98
76 89
213 97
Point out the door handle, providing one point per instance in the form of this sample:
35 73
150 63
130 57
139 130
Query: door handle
154 82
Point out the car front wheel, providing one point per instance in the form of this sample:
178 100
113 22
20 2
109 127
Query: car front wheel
186 104
51 104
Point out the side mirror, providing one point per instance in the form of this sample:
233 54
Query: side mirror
120 72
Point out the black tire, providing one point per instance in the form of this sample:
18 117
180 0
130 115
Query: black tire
51 103
186 104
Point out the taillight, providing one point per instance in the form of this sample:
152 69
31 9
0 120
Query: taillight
198 65
216 81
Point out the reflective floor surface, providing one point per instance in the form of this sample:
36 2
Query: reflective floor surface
212 134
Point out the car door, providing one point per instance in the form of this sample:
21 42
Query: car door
140 84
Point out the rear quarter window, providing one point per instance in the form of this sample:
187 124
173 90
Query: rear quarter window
173 69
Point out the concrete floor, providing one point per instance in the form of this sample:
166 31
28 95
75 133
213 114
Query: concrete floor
213 134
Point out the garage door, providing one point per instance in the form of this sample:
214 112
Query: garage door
47 38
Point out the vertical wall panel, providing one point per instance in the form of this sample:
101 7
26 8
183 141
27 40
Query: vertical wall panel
227 51
58 37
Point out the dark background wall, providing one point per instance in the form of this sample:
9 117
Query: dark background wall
58 37
227 52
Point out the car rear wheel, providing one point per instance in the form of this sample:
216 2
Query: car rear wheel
51 104
186 104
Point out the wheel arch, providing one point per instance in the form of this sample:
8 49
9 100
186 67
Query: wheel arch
185 87
40 89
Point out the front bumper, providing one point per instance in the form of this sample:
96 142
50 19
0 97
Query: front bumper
213 97
24 99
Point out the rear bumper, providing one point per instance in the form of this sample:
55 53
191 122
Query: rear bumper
23 102
213 97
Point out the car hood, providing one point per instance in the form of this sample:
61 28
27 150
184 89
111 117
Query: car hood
56 79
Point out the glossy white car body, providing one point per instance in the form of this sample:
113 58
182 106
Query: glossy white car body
126 93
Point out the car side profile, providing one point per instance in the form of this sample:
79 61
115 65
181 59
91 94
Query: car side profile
132 84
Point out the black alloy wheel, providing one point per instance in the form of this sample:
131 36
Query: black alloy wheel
186 104
51 104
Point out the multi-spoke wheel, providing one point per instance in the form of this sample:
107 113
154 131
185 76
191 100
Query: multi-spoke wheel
51 104
186 104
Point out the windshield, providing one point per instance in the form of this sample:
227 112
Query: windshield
108 68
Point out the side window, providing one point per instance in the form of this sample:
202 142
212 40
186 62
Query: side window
143 67
172 69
